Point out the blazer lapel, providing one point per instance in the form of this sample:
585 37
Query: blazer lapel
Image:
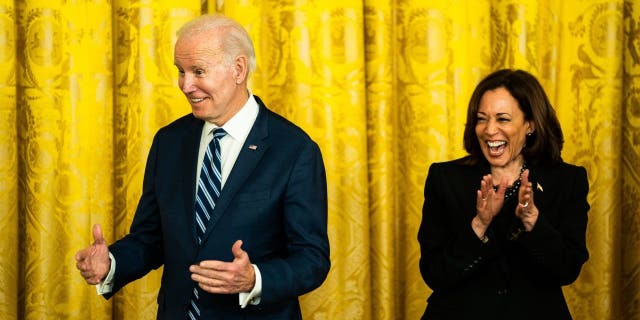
252 151
190 176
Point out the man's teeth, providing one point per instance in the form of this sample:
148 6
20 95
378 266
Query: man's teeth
495 144
196 100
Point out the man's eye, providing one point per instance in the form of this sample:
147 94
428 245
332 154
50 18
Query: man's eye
199 72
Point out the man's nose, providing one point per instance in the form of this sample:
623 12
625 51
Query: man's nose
187 83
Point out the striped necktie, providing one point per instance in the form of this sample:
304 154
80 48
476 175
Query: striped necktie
209 187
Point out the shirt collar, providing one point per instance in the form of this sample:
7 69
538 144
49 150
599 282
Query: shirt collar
240 124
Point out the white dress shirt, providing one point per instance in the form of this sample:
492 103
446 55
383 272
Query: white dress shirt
237 129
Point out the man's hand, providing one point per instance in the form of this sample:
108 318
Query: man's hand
226 277
93 262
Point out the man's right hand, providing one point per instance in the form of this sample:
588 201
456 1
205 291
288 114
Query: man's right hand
93 262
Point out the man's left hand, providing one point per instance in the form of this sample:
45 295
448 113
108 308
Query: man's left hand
221 277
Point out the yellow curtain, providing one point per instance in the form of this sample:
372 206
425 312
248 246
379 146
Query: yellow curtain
382 86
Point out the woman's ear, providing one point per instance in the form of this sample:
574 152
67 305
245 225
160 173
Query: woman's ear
530 129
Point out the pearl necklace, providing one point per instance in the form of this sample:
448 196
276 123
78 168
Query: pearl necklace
516 185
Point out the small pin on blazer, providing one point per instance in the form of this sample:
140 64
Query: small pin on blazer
539 187
253 147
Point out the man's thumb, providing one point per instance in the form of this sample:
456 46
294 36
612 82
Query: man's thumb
97 235
237 250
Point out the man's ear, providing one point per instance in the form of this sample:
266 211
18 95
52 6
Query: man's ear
240 69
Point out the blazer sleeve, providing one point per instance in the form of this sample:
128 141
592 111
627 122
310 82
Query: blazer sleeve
557 242
141 250
307 263
450 251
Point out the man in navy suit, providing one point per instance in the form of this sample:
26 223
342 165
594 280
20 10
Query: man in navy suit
264 242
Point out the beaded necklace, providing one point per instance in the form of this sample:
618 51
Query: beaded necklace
516 185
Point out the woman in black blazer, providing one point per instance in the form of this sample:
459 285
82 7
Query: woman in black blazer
503 229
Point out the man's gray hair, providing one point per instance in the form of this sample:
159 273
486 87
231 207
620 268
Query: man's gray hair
235 40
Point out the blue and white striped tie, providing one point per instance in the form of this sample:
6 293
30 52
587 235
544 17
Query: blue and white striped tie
209 187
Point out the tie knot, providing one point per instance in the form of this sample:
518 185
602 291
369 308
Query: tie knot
219 133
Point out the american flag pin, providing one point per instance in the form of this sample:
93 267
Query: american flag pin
539 187
253 147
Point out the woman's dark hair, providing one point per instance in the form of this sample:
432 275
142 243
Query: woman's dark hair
545 143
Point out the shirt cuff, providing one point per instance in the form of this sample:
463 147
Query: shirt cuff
252 297
106 286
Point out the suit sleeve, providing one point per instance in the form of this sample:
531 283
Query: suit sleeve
141 250
449 249
558 247
307 263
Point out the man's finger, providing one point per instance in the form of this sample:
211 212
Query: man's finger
210 265
97 235
80 255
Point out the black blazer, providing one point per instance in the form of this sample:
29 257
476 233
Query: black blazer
516 274
275 200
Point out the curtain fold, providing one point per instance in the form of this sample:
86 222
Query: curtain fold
146 97
630 163
589 103
379 30
8 163
381 85
311 60
64 83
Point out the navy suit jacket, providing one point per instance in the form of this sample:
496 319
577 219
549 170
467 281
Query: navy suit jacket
516 274
274 200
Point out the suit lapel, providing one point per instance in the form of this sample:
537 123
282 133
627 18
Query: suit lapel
189 174
252 151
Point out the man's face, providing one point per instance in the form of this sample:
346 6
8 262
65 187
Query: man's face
208 80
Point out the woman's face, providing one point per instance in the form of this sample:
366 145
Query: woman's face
501 129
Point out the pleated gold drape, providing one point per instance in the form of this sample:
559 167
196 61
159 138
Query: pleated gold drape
382 86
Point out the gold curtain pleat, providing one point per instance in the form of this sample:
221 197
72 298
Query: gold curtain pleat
381 85
629 292
382 158
312 59
146 98
8 163
64 115
588 100
439 47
